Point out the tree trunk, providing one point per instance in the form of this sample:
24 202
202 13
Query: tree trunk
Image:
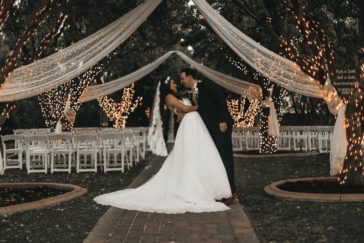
353 169
354 176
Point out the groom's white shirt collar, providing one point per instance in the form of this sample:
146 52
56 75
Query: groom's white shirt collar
195 85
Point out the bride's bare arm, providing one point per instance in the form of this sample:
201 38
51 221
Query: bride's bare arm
172 101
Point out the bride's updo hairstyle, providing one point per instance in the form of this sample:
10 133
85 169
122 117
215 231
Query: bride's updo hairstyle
165 89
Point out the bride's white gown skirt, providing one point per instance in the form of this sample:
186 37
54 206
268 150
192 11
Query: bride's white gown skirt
191 178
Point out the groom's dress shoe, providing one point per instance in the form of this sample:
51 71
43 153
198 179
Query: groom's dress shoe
228 201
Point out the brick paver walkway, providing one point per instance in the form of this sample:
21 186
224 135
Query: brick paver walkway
118 225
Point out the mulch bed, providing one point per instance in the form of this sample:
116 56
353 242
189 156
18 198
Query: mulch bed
278 220
14 196
329 187
69 221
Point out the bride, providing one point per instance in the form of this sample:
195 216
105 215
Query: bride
192 177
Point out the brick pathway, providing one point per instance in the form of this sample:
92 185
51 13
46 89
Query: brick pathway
118 225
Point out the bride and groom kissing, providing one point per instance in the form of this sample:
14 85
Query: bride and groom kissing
198 174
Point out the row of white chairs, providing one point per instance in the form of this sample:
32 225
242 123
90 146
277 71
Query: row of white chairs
292 138
84 149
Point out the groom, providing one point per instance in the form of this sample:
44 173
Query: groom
212 107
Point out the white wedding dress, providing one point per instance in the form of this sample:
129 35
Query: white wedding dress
191 179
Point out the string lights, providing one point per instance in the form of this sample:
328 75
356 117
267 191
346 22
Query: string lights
309 46
236 110
268 144
53 102
57 30
118 112
353 163
5 11
5 113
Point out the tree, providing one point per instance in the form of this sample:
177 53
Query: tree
22 41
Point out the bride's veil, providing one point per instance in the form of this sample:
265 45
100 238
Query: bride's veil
155 134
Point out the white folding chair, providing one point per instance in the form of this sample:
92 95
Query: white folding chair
13 151
284 140
36 153
313 141
113 152
252 140
300 140
86 152
130 150
236 141
61 147
324 141
141 139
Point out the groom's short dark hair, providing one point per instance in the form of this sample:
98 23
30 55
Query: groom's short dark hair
190 71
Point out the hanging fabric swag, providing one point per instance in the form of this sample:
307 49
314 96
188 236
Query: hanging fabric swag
233 84
68 63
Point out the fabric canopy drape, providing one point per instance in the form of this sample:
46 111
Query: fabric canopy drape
68 63
273 66
231 83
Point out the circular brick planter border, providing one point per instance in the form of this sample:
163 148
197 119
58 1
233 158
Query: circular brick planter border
274 191
300 154
74 192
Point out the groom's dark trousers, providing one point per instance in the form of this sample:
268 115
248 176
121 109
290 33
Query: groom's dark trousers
213 110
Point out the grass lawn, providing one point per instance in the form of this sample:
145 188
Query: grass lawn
291 221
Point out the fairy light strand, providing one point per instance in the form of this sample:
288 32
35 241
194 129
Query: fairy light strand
268 144
118 112
241 118
5 11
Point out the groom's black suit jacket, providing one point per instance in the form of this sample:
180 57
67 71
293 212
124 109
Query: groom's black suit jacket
213 110
212 105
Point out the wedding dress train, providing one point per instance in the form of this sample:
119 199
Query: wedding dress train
191 179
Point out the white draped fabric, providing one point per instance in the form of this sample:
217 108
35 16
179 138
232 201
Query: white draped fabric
273 66
233 84
273 125
338 143
68 63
